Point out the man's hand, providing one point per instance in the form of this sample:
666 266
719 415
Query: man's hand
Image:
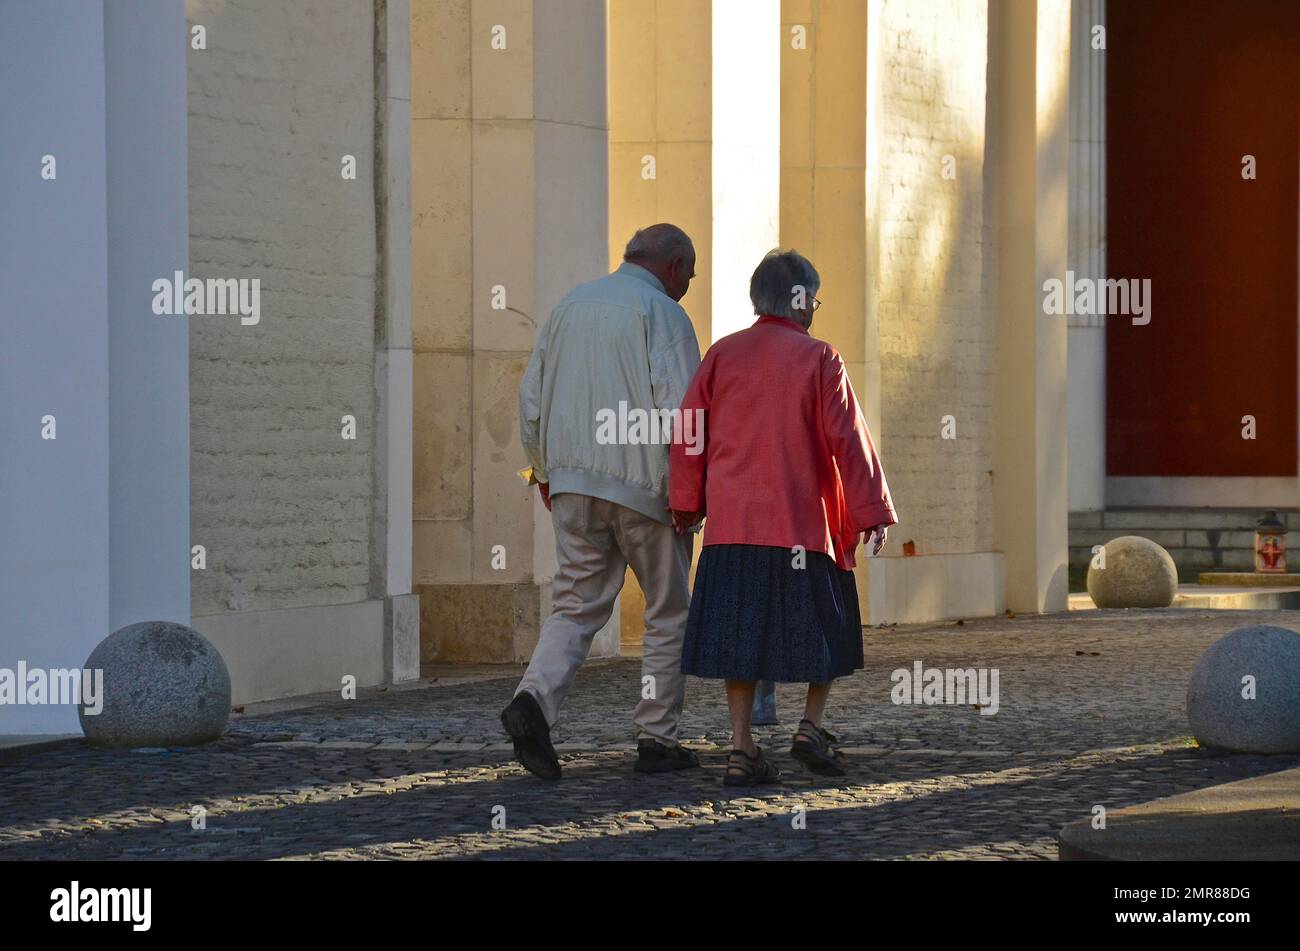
545 489
684 521
881 535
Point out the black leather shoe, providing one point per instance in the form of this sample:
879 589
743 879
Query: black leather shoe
655 757
525 723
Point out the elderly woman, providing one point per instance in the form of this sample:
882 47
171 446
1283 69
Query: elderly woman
789 480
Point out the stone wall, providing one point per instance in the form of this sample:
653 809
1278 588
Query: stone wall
94 479
1198 539
280 500
937 250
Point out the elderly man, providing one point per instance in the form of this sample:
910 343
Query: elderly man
616 342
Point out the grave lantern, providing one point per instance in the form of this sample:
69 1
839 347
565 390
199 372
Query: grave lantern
1270 545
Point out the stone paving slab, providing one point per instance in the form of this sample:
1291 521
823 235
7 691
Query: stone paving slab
1255 819
14 745
1091 711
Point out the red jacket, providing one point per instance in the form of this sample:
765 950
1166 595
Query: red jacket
787 459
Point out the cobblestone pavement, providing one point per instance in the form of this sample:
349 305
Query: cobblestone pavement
1091 712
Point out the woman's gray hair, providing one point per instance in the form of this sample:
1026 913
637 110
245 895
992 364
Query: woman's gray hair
784 285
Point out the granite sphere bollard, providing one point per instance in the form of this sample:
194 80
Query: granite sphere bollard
165 684
1138 574
1244 694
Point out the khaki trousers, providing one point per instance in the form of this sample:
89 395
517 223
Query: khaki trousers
595 542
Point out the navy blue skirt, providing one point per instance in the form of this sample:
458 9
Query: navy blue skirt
754 616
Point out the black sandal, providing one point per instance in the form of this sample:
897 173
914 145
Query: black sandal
746 770
812 747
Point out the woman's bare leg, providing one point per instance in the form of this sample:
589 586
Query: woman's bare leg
815 706
740 700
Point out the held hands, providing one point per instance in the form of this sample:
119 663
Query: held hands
683 522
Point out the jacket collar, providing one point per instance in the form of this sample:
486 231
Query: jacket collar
641 274
782 322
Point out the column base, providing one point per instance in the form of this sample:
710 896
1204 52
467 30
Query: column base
401 638
492 623
920 588
295 651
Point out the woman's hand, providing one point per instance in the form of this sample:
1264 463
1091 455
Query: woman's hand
881 535
544 488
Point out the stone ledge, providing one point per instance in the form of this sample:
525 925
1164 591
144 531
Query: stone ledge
324 642
1250 579
1206 596
1250 820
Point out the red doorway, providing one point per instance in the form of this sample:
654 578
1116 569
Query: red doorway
1192 87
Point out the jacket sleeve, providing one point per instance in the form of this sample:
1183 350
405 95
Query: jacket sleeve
674 364
530 406
687 456
866 493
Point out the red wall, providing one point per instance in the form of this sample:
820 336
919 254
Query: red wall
1192 86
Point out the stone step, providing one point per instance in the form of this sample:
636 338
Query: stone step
1251 820
1250 579
1199 597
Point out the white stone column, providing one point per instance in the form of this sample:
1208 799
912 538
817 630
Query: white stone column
1030 451
869 393
94 415
391 549
695 132
1087 257
510 205
746 154
569 182
147 186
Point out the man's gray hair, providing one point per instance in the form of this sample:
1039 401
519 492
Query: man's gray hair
659 244
783 280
